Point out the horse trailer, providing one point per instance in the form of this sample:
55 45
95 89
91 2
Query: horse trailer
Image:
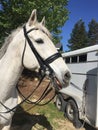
79 100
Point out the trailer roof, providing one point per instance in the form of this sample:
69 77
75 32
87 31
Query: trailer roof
81 51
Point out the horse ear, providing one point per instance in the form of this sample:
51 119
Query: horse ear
33 18
43 21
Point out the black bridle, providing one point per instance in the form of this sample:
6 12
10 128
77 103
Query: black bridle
43 63
44 66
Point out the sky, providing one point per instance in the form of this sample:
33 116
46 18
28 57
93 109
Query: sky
79 9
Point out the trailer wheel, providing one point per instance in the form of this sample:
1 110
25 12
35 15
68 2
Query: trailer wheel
72 113
59 102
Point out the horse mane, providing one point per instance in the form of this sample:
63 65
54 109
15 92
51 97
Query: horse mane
13 33
8 41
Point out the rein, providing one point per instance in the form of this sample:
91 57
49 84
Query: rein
26 99
44 68
44 94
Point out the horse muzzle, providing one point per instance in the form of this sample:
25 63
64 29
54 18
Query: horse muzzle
67 77
63 83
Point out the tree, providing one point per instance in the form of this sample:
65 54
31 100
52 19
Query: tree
14 13
79 38
93 32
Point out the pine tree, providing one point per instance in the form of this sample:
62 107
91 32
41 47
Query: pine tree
93 32
79 38
14 13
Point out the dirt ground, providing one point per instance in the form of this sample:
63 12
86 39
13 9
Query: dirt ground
35 122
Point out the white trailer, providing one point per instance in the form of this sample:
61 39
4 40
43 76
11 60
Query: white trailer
79 100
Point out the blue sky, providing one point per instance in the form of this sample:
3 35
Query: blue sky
79 9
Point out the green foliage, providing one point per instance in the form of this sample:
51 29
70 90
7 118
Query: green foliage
93 32
16 12
79 38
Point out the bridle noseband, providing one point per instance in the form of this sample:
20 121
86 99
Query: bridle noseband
43 63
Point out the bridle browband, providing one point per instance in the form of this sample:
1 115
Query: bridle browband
43 63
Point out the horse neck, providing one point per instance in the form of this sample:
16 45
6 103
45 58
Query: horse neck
10 68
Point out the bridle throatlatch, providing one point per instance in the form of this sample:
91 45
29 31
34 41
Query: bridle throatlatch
45 70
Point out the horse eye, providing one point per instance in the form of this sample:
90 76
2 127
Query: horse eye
40 41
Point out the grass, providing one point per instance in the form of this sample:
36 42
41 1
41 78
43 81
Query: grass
49 110
47 116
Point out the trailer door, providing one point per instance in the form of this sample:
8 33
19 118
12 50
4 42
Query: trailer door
91 88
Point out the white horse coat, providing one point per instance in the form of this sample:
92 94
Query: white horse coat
11 64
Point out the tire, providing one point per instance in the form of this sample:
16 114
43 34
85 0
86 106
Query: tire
59 102
72 113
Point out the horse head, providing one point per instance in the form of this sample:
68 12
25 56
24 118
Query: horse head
39 50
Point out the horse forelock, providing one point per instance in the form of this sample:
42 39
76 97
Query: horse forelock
43 29
8 41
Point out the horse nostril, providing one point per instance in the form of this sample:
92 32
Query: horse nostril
67 75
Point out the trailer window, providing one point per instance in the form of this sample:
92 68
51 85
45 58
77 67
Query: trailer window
67 59
74 59
83 58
